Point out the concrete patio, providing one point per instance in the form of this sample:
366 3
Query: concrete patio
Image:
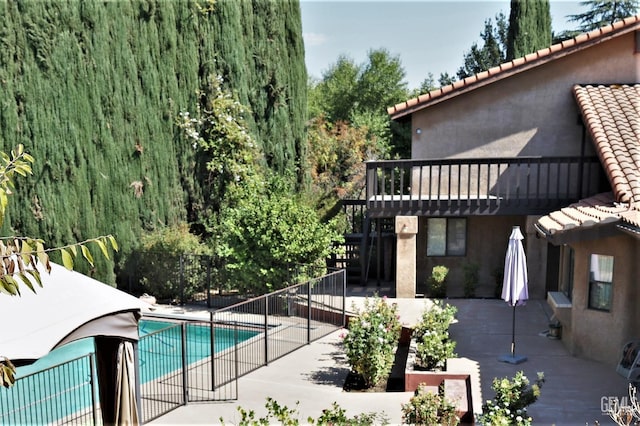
575 392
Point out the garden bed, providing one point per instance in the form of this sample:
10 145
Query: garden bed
456 386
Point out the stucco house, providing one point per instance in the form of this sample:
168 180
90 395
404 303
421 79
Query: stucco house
548 142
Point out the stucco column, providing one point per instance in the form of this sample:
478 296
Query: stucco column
406 231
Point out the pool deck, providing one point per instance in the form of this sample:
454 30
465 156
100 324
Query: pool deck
311 378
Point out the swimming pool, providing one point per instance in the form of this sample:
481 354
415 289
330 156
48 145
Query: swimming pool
59 392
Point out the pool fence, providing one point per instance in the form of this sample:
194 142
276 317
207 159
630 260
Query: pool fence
195 358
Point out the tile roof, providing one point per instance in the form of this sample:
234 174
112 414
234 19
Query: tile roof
507 69
597 210
612 116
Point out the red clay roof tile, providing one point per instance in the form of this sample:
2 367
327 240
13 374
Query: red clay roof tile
596 210
612 116
517 65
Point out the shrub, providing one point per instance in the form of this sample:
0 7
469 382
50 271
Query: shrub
471 278
156 263
433 346
428 408
509 407
337 415
437 282
371 340
267 231
283 415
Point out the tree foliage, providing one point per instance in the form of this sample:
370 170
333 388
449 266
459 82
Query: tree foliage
267 233
94 90
529 27
23 258
604 12
492 52
359 94
257 228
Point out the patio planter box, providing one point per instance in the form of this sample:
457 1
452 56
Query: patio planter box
456 385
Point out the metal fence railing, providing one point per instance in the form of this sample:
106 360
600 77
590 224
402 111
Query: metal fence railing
184 359
62 394
242 338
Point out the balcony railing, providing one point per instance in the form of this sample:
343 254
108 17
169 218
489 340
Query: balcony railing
480 186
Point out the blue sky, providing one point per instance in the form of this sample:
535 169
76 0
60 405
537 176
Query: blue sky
427 35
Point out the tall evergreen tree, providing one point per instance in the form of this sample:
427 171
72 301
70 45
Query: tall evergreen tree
604 12
492 52
529 27
93 90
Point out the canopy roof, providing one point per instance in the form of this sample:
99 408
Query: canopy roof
68 307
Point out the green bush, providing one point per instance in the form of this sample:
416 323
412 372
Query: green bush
266 232
437 282
156 263
428 408
509 407
433 346
337 415
283 415
471 277
371 340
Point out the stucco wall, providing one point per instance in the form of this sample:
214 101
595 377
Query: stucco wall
487 240
596 334
527 114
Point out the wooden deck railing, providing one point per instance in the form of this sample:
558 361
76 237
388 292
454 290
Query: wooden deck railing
482 186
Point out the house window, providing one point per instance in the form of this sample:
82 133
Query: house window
446 237
600 282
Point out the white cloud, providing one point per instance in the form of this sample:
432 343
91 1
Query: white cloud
314 39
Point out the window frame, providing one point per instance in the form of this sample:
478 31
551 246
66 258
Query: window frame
591 304
447 239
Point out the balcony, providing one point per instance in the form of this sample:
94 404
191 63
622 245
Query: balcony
480 186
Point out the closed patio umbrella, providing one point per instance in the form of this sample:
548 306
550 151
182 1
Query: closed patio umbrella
515 286
126 407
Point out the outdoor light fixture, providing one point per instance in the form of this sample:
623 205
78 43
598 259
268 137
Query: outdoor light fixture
418 131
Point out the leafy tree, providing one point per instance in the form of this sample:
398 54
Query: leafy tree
491 53
426 86
381 82
257 227
22 255
359 94
529 27
604 12
336 161
267 232
335 94
227 155
93 90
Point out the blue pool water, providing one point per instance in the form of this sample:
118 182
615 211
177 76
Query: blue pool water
160 353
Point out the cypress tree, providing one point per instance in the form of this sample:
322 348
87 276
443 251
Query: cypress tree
529 27
93 90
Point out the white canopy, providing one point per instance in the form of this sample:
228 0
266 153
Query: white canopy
68 307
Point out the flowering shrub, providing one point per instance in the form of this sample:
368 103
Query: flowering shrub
437 282
509 407
283 415
428 408
371 340
433 345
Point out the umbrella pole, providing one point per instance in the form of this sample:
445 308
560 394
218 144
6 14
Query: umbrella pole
513 332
